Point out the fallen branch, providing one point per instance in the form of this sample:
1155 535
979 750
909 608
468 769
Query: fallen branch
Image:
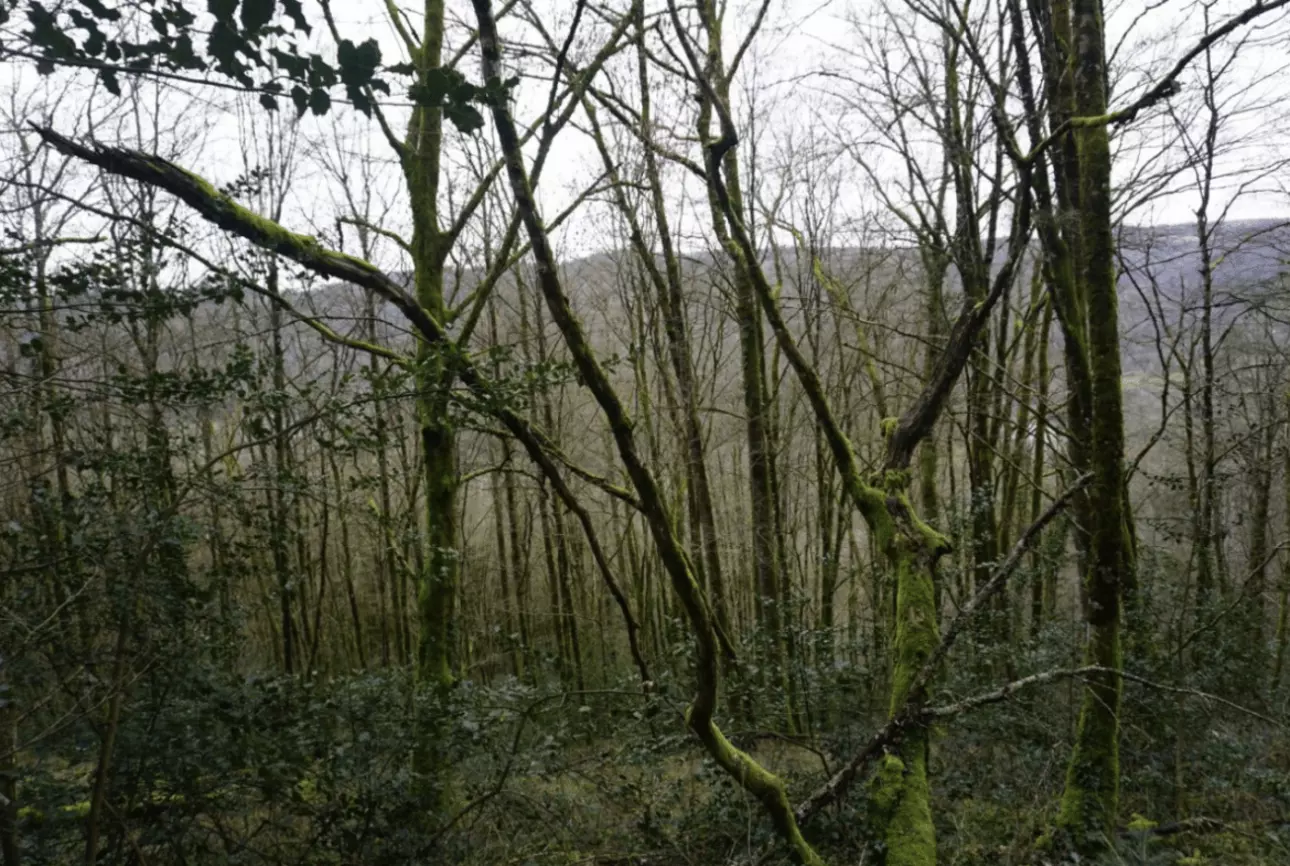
1005 691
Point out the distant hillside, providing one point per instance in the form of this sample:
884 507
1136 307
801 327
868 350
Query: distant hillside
1161 266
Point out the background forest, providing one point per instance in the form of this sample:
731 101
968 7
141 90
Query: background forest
642 432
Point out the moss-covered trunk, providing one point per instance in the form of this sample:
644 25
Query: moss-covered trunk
437 583
900 793
1090 800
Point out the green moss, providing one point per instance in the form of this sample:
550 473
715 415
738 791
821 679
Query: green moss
758 781
900 792
76 810
1089 801
884 790
308 790
899 796
916 632
895 480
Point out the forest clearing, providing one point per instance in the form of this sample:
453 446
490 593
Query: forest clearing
645 432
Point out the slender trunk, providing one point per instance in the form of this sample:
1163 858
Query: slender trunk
52 511
546 509
347 568
510 638
519 560
769 598
438 579
1013 472
537 410
557 531
107 747
676 326
8 765
569 616
1044 588
934 265
1255 613
215 534
828 553
304 568
277 495
324 541
1283 611
1209 567
766 787
387 555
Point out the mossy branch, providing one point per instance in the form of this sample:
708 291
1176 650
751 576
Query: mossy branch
839 295
322 328
375 229
1166 88
221 209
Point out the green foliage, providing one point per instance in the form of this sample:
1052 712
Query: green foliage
258 45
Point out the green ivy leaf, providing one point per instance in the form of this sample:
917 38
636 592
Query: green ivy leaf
319 101
358 65
464 116
256 14
222 10
98 10
224 44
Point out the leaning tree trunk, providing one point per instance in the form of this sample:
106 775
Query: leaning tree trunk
770 601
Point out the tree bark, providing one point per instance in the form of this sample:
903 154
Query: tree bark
1091 797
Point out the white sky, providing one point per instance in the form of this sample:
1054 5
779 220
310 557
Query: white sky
791 75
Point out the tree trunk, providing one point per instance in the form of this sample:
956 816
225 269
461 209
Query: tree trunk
437 582
1091 797
1254 615
347 568
277 496
1283 607
769 601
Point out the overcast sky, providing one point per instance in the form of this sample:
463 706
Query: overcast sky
804 44
794 73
